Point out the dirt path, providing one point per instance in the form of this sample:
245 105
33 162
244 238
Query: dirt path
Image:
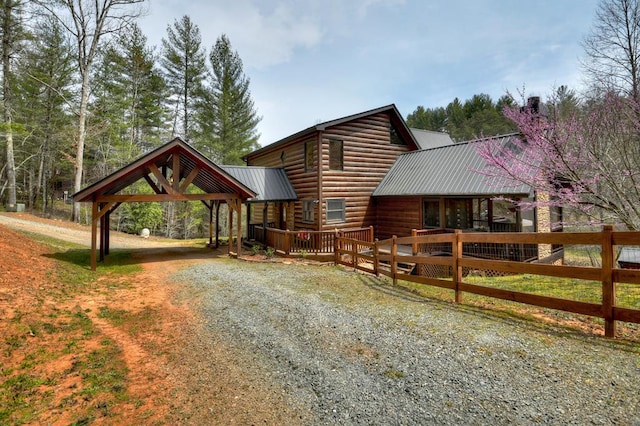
156 352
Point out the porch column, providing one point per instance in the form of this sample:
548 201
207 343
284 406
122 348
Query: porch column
94 231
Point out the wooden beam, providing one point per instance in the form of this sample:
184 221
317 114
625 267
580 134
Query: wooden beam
161 179
94 231
144 198
187 181
152 184
176 171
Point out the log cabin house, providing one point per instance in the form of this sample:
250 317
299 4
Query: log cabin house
371 170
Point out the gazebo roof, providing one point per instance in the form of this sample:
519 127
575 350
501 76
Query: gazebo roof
184 162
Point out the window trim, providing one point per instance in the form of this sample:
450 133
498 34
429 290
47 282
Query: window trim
342 210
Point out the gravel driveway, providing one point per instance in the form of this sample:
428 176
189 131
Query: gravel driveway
346 348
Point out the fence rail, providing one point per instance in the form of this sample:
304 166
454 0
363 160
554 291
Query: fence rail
414 259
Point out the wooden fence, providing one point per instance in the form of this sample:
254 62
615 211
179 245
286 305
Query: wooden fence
392 258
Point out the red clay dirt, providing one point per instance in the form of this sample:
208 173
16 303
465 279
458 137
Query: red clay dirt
154 354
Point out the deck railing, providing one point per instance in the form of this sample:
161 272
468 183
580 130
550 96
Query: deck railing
308 242
612 293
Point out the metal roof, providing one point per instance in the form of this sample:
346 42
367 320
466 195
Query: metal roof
396 120
448 170
211 178
428 139
270 183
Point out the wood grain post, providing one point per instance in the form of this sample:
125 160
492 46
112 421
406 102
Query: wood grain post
336 247
94 231
608 286
394 260
414 247
376 260
457 269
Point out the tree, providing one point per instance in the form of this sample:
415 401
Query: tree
227 117
428 119
184 63
89 22
588 162
45 75
128 105
613 48
11 27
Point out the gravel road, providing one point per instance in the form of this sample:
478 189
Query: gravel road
346 348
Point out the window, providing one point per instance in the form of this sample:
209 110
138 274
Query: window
307 211
394 137
309 155
335 155
335 210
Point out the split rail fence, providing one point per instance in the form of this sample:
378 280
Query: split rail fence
415 259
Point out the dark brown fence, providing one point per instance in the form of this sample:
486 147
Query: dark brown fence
449 265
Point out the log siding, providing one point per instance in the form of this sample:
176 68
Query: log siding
368 154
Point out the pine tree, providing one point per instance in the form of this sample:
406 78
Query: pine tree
184 63
45 77
228 118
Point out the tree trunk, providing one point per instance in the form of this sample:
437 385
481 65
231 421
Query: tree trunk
79 162
6 99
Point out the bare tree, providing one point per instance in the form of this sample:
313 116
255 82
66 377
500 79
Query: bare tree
89 22
612 48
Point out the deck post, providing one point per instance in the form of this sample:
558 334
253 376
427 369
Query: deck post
336 247
457 269
371 234
608 286
376 259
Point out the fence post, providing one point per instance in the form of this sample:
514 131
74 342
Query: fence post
287 242
414 247
608 286
457 269
371 234
394 260
376 260
336 247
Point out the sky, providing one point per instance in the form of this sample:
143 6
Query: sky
311 61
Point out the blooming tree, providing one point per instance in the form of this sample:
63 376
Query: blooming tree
588 161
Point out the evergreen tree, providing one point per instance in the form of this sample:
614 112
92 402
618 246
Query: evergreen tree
184 64
227 117
11 37
45 77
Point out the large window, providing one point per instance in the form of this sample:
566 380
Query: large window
309 155
335 210
335 155
307 211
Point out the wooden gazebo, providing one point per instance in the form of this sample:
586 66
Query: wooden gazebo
169 170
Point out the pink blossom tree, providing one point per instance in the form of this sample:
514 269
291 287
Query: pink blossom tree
588 161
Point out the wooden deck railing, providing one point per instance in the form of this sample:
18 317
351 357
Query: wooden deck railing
390 256
309 242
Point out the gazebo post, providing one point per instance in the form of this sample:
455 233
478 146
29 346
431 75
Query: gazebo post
217 223
94 231
230 208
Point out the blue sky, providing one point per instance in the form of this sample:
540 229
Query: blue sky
316 60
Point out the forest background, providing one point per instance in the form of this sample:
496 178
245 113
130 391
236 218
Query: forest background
83 94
